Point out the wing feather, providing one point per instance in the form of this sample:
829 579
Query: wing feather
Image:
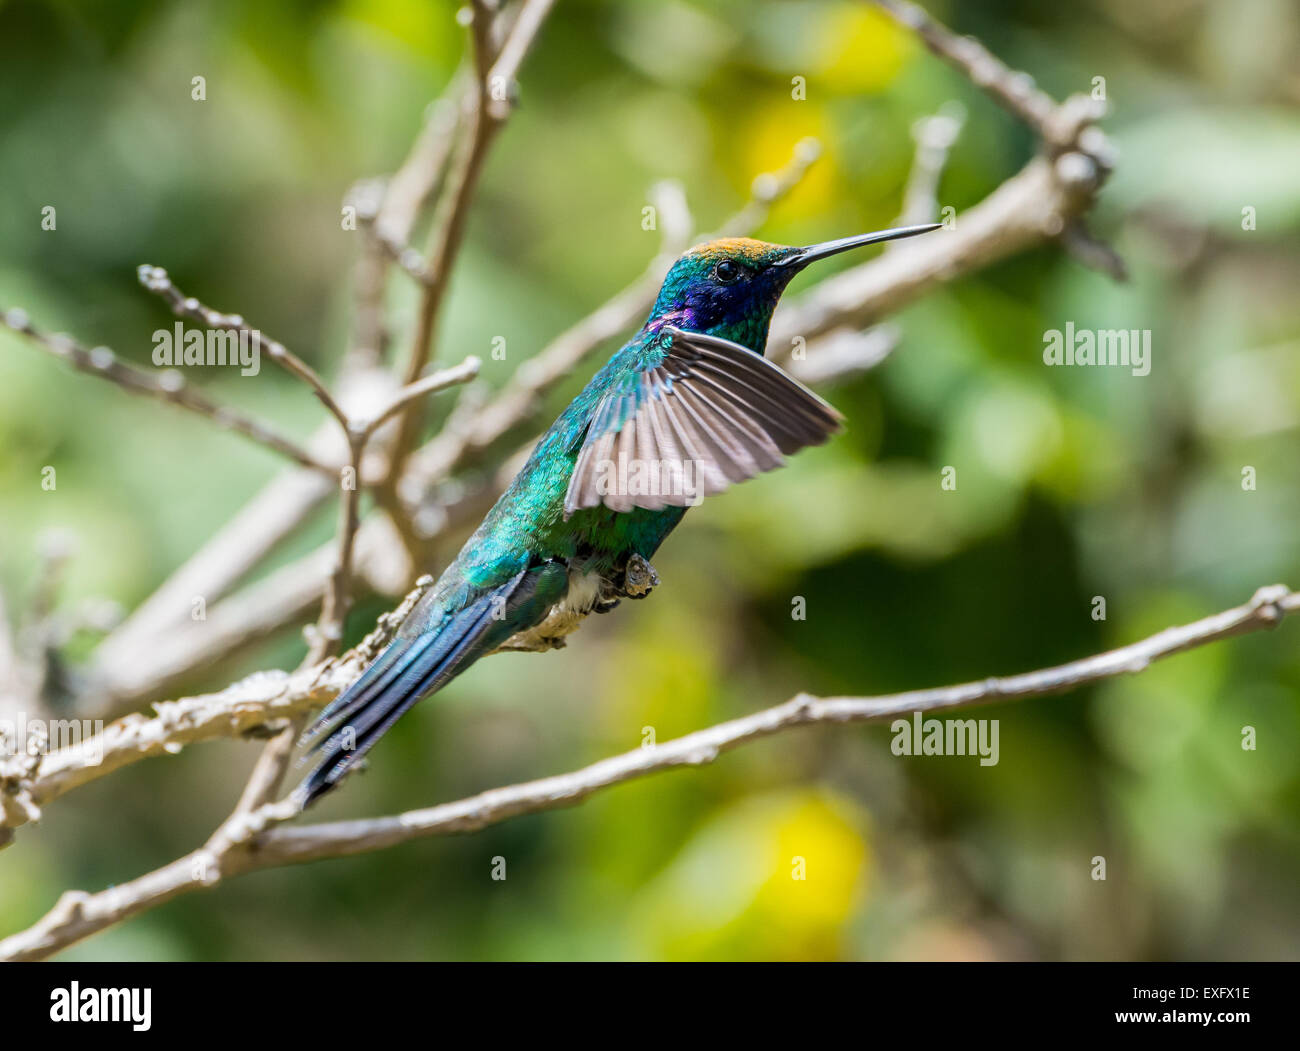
710 414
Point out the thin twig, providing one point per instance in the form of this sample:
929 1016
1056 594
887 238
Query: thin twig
518 40
768 189
369 340
1030 208
168 385
431 384
329 629
849 351
448 230
1080 153
1014 90
482 122
934 138
415 182
156 280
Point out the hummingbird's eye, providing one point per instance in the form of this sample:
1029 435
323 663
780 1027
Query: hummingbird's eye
727 271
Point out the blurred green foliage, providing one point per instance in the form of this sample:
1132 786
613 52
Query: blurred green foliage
1072 483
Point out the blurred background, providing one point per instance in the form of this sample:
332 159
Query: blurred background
1073 483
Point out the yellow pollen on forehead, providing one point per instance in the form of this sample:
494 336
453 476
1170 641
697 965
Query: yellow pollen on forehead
741 248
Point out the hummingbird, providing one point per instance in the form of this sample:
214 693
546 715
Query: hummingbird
687 407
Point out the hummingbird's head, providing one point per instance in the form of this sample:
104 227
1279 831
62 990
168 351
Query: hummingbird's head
729 287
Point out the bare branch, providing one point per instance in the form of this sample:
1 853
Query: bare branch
431 384
934 137
287 502
168 385
1013 90
1028 209
482 122
126 664
160 642
323 640
768 189
369 339
144 669
327 635
849 351
329 629
528 23
1266 609
1065 130
156 280
415 181
253 702
845 352
253 843
1093 252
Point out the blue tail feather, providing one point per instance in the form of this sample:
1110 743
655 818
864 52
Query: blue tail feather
412 668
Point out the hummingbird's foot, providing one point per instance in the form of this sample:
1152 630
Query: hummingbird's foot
639 578
608 597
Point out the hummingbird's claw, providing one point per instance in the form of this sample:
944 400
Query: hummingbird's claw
639 578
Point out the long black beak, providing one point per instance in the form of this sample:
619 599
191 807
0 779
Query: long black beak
803 256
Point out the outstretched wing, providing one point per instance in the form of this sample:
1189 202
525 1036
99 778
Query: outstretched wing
710 414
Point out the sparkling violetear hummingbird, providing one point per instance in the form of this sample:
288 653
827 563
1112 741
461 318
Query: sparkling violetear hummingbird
687 407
